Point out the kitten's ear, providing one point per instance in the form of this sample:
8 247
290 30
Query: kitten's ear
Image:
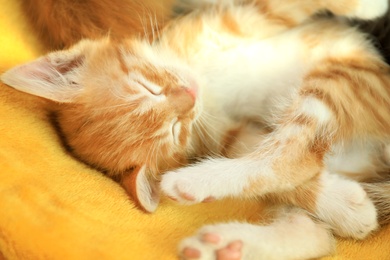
54 76
142 188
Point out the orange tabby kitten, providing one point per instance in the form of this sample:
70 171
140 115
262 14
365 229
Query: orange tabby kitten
135 109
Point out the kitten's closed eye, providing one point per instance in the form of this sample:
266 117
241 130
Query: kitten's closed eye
149 86
153 89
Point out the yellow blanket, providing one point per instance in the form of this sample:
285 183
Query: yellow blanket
53 207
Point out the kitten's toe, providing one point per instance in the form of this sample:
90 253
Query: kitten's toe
233 251
190 253
195 248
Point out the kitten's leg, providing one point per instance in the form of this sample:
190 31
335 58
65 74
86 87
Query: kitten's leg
339 202
294 235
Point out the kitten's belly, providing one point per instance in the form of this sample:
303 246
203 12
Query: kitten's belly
249 80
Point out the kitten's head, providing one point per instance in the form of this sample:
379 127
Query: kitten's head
125 108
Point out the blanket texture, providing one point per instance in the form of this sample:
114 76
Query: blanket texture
54 207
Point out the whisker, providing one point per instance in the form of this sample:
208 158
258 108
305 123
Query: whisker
152 27
145 29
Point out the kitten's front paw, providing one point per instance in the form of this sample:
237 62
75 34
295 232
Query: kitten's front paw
203 182
371 9
186 186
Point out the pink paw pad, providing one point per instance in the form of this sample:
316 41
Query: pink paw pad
231 252
191 253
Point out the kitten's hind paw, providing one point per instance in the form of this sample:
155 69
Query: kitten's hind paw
294 236
232 251
219 242
345 206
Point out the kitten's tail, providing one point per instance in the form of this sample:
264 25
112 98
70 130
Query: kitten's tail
61 23
379 193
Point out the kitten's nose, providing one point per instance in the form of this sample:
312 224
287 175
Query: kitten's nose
192 91
192 88
183 98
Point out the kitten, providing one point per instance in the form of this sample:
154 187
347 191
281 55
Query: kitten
157 92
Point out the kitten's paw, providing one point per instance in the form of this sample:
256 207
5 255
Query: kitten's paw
194 248
346 207
294 236
221 242
371 9
202 182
